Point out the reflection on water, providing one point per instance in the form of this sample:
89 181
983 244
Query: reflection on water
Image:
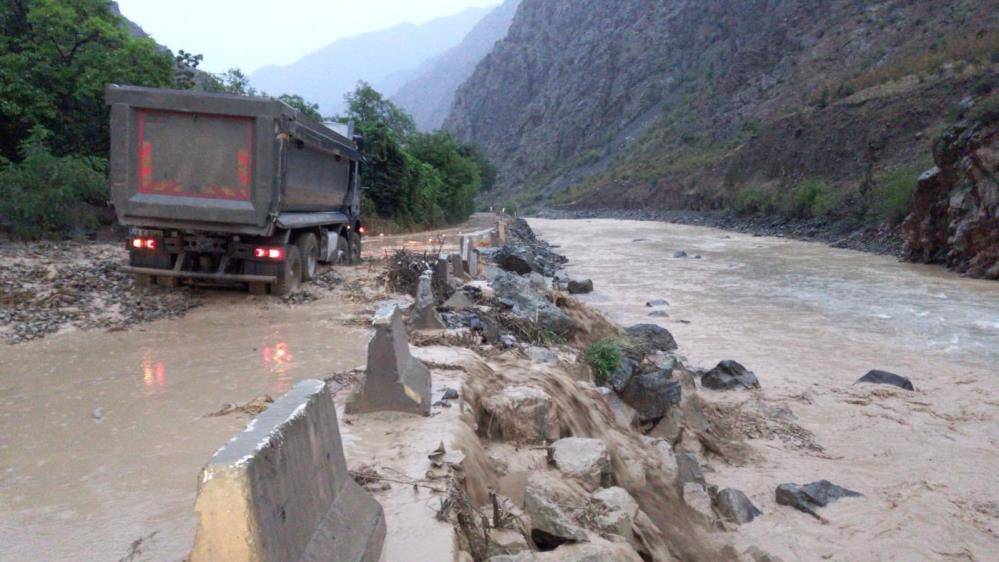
153 374
279 360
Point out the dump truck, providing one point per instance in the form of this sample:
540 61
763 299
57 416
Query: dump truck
228 189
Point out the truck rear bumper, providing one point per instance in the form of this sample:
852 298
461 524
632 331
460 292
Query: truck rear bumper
223 277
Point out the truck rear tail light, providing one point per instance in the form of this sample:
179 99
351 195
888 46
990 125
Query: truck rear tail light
262 253
361 229
145 243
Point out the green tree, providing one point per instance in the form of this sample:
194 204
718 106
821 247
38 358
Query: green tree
232 81
56 57
301 104
460 175
367 107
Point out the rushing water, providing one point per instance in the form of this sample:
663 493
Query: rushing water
810 320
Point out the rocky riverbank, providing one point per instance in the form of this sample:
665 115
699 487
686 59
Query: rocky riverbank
845 234
595 441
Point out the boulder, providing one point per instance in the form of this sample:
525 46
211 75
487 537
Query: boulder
615 499
735 507
515 259
644 339
624 415
425 315
626 369
551 524
808 497
521 414
656 302
587 460
698 499
729 375
688 469
679 254
658 314
652 394
884 377
541 355
598 550
580 286
528 303
506 541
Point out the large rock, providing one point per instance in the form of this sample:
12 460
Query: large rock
808 497
395 380
729 375
529 303
515 259
647 338
735 507
597 551
883 377
580 286
617 511
652 394
586 460
544 502
280 490
621 376
696 497
521 414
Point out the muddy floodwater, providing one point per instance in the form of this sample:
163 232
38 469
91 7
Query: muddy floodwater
103 433
809 320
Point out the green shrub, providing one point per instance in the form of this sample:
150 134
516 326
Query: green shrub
603 357
810 198
890 195
753 199
47 196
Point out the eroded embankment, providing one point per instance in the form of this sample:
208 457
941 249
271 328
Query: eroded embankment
534 460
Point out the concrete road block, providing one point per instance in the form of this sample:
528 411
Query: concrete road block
280 490
395 380
425 315
457 266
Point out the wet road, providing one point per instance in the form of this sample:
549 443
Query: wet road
104 433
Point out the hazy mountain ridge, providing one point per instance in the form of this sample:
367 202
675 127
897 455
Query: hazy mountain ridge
429 93
678 104
386 59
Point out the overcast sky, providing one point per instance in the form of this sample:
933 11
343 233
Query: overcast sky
249 34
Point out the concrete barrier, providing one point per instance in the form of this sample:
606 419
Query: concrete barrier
395 380
280 490
425 315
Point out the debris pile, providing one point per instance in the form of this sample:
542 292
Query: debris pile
46 287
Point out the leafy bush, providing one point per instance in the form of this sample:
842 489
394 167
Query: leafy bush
810 198
603 357
753 199
46 196
890 195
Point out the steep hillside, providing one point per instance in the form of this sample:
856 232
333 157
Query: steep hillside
795 106
429 95
383 58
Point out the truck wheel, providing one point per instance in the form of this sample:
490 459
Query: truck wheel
308 247
291 276
342 256
354 241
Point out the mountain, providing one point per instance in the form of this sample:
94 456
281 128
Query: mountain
385 59
428 96
805 106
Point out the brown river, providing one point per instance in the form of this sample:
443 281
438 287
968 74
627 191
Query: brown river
810 320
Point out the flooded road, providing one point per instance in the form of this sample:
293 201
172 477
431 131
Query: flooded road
810 320
104 433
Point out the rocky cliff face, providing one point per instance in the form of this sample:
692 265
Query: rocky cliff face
681 103
428 96
955 218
